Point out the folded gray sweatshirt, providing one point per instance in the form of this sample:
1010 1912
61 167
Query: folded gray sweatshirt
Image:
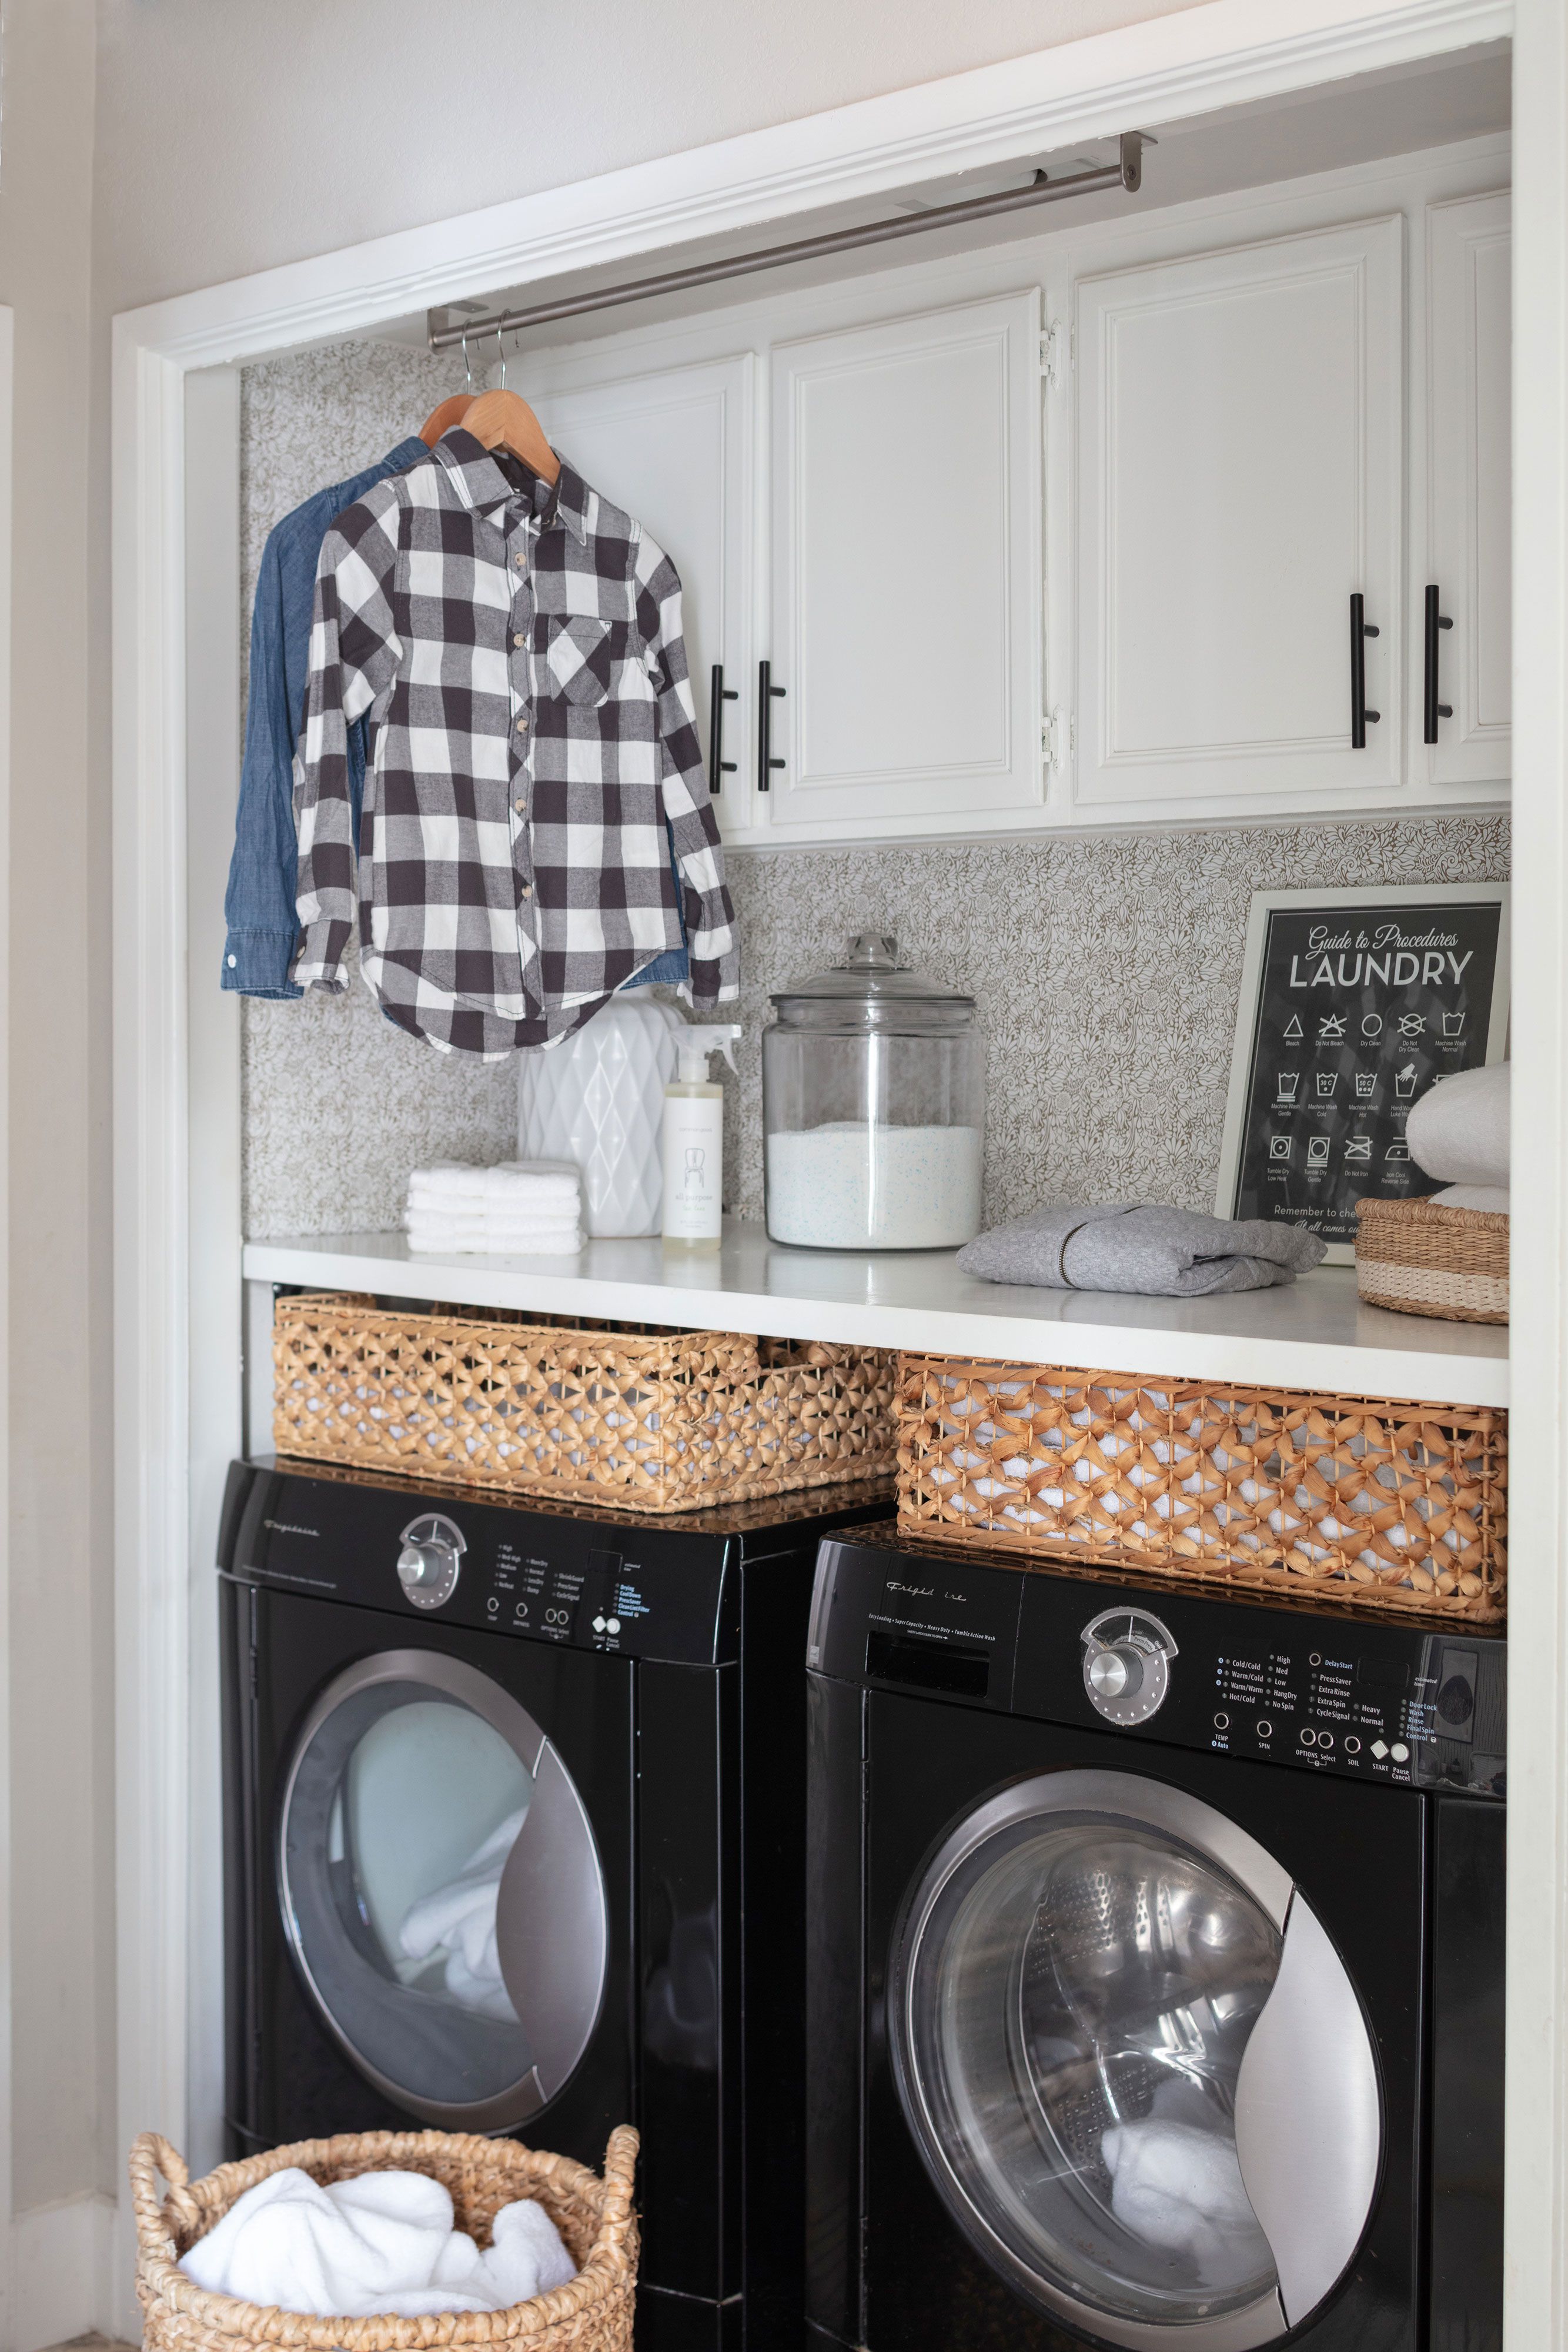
1161 1252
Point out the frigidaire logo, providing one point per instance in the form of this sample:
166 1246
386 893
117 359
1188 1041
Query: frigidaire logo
921 1592
283 1528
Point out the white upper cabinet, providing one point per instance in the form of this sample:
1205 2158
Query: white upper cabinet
1240 436
906 576
1468 491
675 448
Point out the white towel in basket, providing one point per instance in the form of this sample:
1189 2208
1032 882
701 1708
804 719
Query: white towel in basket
383 2243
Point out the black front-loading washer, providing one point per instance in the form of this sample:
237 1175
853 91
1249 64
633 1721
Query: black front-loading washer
513 1806
1155 1970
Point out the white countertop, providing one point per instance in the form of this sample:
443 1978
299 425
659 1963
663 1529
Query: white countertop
1314 1333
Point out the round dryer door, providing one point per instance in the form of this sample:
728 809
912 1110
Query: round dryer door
1134 2064
441 1890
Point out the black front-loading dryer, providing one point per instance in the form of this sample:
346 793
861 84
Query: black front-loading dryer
515 1842
1155 1976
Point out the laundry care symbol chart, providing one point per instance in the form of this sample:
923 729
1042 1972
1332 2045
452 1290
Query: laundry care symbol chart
1354 1003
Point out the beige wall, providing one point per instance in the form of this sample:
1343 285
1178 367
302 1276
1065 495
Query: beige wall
61 1654
148 147
233 136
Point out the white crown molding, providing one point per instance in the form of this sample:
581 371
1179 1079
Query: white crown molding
1223 53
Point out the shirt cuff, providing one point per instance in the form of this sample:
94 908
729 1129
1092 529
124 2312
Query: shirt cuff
319 963
256 963
712 981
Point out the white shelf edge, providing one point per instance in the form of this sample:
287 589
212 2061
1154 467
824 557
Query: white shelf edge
1313 1335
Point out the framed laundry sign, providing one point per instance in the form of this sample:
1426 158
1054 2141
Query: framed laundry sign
1353 1003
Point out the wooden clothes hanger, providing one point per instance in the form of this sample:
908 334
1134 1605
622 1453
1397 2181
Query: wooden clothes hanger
498 420
442 420
503 420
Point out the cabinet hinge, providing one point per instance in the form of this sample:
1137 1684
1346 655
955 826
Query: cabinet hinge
1058 736
1055 352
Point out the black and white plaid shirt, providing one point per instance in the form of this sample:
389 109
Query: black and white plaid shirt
520 652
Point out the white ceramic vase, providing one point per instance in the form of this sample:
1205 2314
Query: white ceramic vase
597 1099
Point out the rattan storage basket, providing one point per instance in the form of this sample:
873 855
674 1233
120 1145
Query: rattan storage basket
1395 1506
592 2313
667 1421
1422 1258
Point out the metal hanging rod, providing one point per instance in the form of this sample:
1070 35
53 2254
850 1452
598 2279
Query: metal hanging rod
1126 173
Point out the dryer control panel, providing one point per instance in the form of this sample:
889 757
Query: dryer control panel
1403 1704
645 1592
592 1579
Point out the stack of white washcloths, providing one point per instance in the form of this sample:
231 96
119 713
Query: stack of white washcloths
1458 1133
383 2243
524 1208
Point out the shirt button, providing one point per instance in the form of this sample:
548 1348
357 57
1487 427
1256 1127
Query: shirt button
522 726
519 806
520 639
528 891
520 561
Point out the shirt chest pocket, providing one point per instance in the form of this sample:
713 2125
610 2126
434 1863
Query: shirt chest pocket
586 660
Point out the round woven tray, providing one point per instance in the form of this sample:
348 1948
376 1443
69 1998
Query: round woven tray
1421 1258
592 2313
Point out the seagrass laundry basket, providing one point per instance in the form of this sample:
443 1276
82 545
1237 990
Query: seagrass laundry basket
592 2313
1364 1499
1422 1258
641 1420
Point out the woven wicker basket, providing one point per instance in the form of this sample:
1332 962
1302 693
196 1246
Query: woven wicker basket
1395 1507
1421 1258
670 1421
592 2313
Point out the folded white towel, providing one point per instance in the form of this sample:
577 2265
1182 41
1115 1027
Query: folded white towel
383 2243
530 1183
438 1220
534 1241
1459 1130
1180 2188
1492 1198
458 1920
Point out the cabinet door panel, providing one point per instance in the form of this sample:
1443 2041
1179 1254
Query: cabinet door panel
1470 482
1239 458
675 449
905 568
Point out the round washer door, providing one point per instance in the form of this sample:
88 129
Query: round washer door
1135 2065
441 1890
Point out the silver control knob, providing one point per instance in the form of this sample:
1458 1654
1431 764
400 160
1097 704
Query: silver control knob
1126 1664
430 1562
1116 1673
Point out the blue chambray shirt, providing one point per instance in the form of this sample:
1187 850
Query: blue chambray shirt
258 907
263 928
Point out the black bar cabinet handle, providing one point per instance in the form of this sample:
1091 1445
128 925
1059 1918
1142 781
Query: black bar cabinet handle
765 691
1432 708
1361 628
718 766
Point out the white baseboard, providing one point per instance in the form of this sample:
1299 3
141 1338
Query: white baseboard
61 2258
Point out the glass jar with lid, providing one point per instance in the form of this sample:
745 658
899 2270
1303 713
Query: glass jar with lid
873 1108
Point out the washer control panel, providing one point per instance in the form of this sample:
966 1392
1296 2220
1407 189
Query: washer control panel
431 1560
1126 1664
1399 1702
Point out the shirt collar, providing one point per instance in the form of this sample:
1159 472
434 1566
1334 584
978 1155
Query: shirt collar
412 452
481 487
